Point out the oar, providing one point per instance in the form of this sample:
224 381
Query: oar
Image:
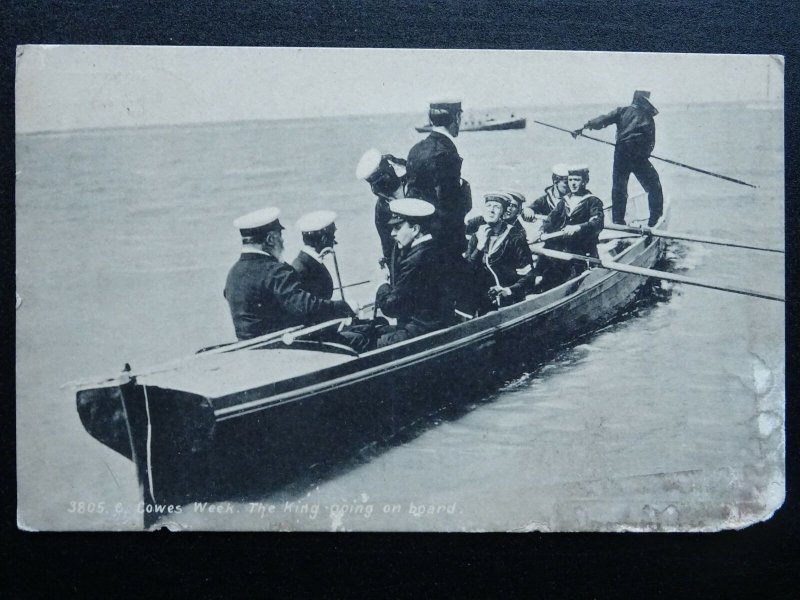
256 341
666 160
614 266
689 237
349 285
289 338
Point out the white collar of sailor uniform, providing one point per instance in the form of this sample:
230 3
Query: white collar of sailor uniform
312 253
444 132
420 239
573 201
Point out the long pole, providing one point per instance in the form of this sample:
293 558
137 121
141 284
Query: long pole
338 276
614 266
689 237
666 160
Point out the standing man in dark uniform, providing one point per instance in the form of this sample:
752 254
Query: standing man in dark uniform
319 235
433 172
377 170
579 217
263 292
636 138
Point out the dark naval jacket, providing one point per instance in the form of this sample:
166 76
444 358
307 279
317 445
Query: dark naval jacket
314 276
588 213
433 172
635 125
545 203
264 295
509 257
418 295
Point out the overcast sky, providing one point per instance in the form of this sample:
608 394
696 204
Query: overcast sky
68 87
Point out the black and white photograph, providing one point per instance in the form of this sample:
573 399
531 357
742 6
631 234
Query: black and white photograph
403 290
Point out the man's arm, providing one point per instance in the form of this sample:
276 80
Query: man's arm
600 122
285 286
594 225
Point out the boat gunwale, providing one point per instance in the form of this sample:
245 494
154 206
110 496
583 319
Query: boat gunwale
431 351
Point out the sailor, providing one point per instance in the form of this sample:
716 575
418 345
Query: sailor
263 292
433 172
377 170
511 216
636 138
579 219
319 236
552 195
500 257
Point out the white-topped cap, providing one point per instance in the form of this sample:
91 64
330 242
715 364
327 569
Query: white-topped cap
368 164
316 221
560 170
264 218
409 208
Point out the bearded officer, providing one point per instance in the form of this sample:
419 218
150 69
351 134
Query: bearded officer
263 292
579 218
433 172
636 138
377 170
319 236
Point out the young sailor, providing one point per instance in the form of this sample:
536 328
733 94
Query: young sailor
510 216
579 219
500 257
263 292
319 236
636 138
377 170
545 203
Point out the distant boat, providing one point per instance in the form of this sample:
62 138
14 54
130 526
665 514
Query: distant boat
487 124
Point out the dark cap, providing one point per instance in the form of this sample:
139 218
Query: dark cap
502 198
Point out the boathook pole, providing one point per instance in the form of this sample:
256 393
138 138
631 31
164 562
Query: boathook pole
614 266
689 237
666 160
349 285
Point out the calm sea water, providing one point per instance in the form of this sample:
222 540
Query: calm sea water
671 418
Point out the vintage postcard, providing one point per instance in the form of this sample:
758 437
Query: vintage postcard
310 289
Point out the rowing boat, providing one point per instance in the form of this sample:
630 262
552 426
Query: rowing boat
252 414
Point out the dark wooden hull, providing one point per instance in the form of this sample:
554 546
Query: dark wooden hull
188 446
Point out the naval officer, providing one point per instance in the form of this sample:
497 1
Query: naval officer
319 235
263 292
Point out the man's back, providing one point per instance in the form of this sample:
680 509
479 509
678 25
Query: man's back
314 276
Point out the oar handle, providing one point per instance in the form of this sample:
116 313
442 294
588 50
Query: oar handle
290 338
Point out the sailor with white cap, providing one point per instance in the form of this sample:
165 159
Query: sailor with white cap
417 294
552 194
319 236
377 170
579 218
433 172
636 138
263 292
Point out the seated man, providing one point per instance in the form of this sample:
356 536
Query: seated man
515 202
500 257
319 236
377 170
545 203
263 292
418 294
579 218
